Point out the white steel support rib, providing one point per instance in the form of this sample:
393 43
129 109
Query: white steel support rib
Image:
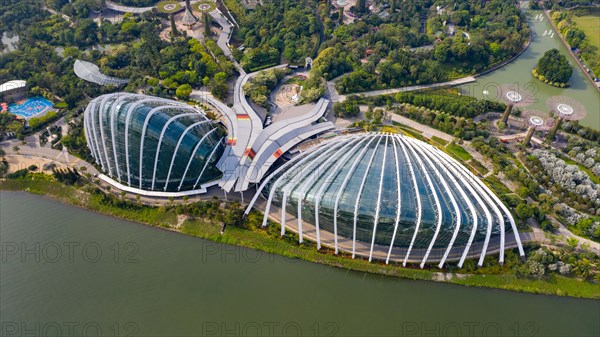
212 153
103 139
314 175
453 176
183 134
130 111
116 109
93 112
436 202
318 155
281 168
481 188
399 196
411 171
362 185
452 165
514 228
278 181
160 139
285 193
378 207
325 185
143 136
343 187
457 213
86 129
187 167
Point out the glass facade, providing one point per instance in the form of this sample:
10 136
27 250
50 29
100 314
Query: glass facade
389 190
152 143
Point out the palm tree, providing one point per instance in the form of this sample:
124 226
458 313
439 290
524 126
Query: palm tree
583 268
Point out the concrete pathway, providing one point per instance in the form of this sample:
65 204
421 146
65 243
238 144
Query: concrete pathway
460 81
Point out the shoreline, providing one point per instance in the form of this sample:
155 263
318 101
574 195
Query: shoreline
573 56
260 239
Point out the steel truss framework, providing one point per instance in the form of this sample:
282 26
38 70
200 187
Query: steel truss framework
388 197
153 144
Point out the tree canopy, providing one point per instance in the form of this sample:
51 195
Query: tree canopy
554 66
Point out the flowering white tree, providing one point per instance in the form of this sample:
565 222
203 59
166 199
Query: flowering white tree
570 177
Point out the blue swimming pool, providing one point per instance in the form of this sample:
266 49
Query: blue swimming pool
31 107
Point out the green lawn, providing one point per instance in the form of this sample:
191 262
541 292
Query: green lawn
590 174
590 24
496 185
439 140
459 152
478 166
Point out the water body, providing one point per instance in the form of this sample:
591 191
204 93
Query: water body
133 279
519 72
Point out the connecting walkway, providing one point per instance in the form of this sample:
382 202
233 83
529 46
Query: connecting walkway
460 81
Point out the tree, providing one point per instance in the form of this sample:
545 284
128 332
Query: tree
346 109
16 149
554 67
2 153
583 268
183 91
218 86
524 211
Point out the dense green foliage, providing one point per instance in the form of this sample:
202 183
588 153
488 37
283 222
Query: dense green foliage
36 122
554 67
259 87
279 30
461 106
346 109
377 50
76 8
136 52
136 3
577 38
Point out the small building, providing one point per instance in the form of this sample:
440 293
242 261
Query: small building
13 91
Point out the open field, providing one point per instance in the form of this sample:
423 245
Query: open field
590 24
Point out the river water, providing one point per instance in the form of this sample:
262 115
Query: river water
70 272
519 72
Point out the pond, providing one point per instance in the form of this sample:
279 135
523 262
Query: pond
519 72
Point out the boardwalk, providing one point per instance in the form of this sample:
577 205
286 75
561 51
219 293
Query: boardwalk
340 98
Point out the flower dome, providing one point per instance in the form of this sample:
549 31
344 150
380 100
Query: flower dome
153 144
388 197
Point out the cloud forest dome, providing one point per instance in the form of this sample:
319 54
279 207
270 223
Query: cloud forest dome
362 193
153 144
